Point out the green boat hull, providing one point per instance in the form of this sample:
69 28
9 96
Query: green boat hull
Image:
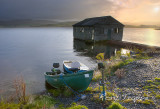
77 81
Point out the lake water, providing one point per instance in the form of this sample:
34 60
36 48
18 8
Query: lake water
29 52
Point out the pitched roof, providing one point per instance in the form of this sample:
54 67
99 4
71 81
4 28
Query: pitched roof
98 20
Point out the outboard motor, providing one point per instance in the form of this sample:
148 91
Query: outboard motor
55 69
56 65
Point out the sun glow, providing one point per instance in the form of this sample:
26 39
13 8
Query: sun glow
156 9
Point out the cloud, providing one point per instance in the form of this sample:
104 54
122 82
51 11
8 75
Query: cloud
132 11
52 9
137 11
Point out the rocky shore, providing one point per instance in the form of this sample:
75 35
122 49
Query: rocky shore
139 84
139 88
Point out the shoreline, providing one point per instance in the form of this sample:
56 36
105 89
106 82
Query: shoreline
134 88
131 91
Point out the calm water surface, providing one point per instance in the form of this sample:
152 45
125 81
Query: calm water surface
29 52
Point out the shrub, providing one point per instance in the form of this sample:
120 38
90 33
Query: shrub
120 73
100 56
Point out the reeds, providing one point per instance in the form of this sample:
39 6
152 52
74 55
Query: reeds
20 88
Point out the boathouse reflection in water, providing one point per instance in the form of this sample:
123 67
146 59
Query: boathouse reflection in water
93 49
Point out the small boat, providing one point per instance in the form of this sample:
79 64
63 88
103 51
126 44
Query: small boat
77 81
74 66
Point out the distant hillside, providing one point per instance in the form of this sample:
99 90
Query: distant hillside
35 23
48 23
61 24
141 26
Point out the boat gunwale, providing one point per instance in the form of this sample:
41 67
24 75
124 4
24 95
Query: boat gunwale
71 61
68 75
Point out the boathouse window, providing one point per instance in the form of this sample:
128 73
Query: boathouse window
116 30
82 30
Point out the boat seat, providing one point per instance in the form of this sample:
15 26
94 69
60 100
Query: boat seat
74 69
75 65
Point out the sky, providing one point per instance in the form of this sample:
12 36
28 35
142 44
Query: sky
126 11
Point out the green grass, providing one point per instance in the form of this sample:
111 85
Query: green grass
152 84
66 92
40 102
120 64
158 96
115 105
128 101
150 87
147 102
89 89
5 105
75 106
157 79
55 92
149 81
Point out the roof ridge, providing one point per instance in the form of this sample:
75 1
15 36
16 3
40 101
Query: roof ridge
94 20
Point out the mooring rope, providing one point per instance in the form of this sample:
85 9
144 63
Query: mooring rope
76 93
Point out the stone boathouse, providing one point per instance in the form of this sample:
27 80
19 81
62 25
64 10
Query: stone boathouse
98 29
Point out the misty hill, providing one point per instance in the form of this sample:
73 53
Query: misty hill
35 23
52 23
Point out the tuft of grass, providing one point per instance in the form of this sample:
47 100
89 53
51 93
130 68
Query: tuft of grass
139 101
149 81
89 89
76 106
128 101
150 87
157 79
158 96
66 92
55 92
115 105
110 94
5 105
145 95
120 64
41 102
147 102
97 76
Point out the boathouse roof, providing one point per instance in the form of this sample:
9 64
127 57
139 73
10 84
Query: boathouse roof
104 20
